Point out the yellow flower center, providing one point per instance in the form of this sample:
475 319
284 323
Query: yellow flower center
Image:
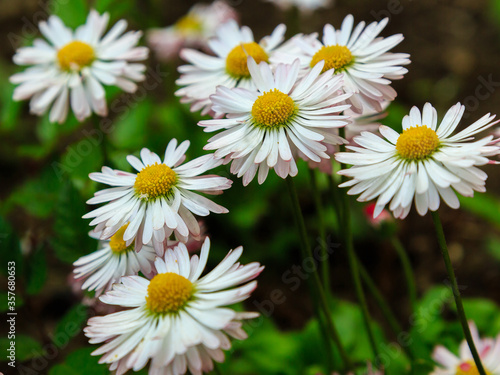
236 61
336 57
417 142
273 108
75 55
469 368
154 181
188 23
168 293
117 244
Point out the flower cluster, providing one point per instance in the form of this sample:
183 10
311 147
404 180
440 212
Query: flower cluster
271 101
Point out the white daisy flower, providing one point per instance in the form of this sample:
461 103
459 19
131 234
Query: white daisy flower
114 259
192 30
488 350
266 127
231 46
159 199
72 67
424 162
305 6
177 319
361 55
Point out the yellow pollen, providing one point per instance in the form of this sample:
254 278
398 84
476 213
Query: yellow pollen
417 142
236 61
469 368
116 241
75 55
154 181
188 23
168 293
273 108
336 57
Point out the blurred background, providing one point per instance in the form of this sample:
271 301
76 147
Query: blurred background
455 53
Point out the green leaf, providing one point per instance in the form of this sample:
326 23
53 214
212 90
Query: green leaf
131 130
9 110
36 271
72 14
71 240
485 206
70 325
264 352
482 312
80 362
26 347
80 159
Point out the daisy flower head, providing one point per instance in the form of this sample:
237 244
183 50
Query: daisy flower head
425 163
232 45
158 200
71 67
192 30
361 55
266 127
463 364
114 259
178 320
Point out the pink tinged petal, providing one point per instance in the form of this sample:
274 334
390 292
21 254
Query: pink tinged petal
390 134
148 225
205 250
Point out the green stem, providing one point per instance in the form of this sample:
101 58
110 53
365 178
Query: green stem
383 305
456 292
325 265
354 266
379 299
323 333
307 253
408 271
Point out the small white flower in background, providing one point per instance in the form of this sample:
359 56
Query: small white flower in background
192 30
265 128
72 67
424 163
104 267
177 321
159 199
488 350
360 54
305 6
231 46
